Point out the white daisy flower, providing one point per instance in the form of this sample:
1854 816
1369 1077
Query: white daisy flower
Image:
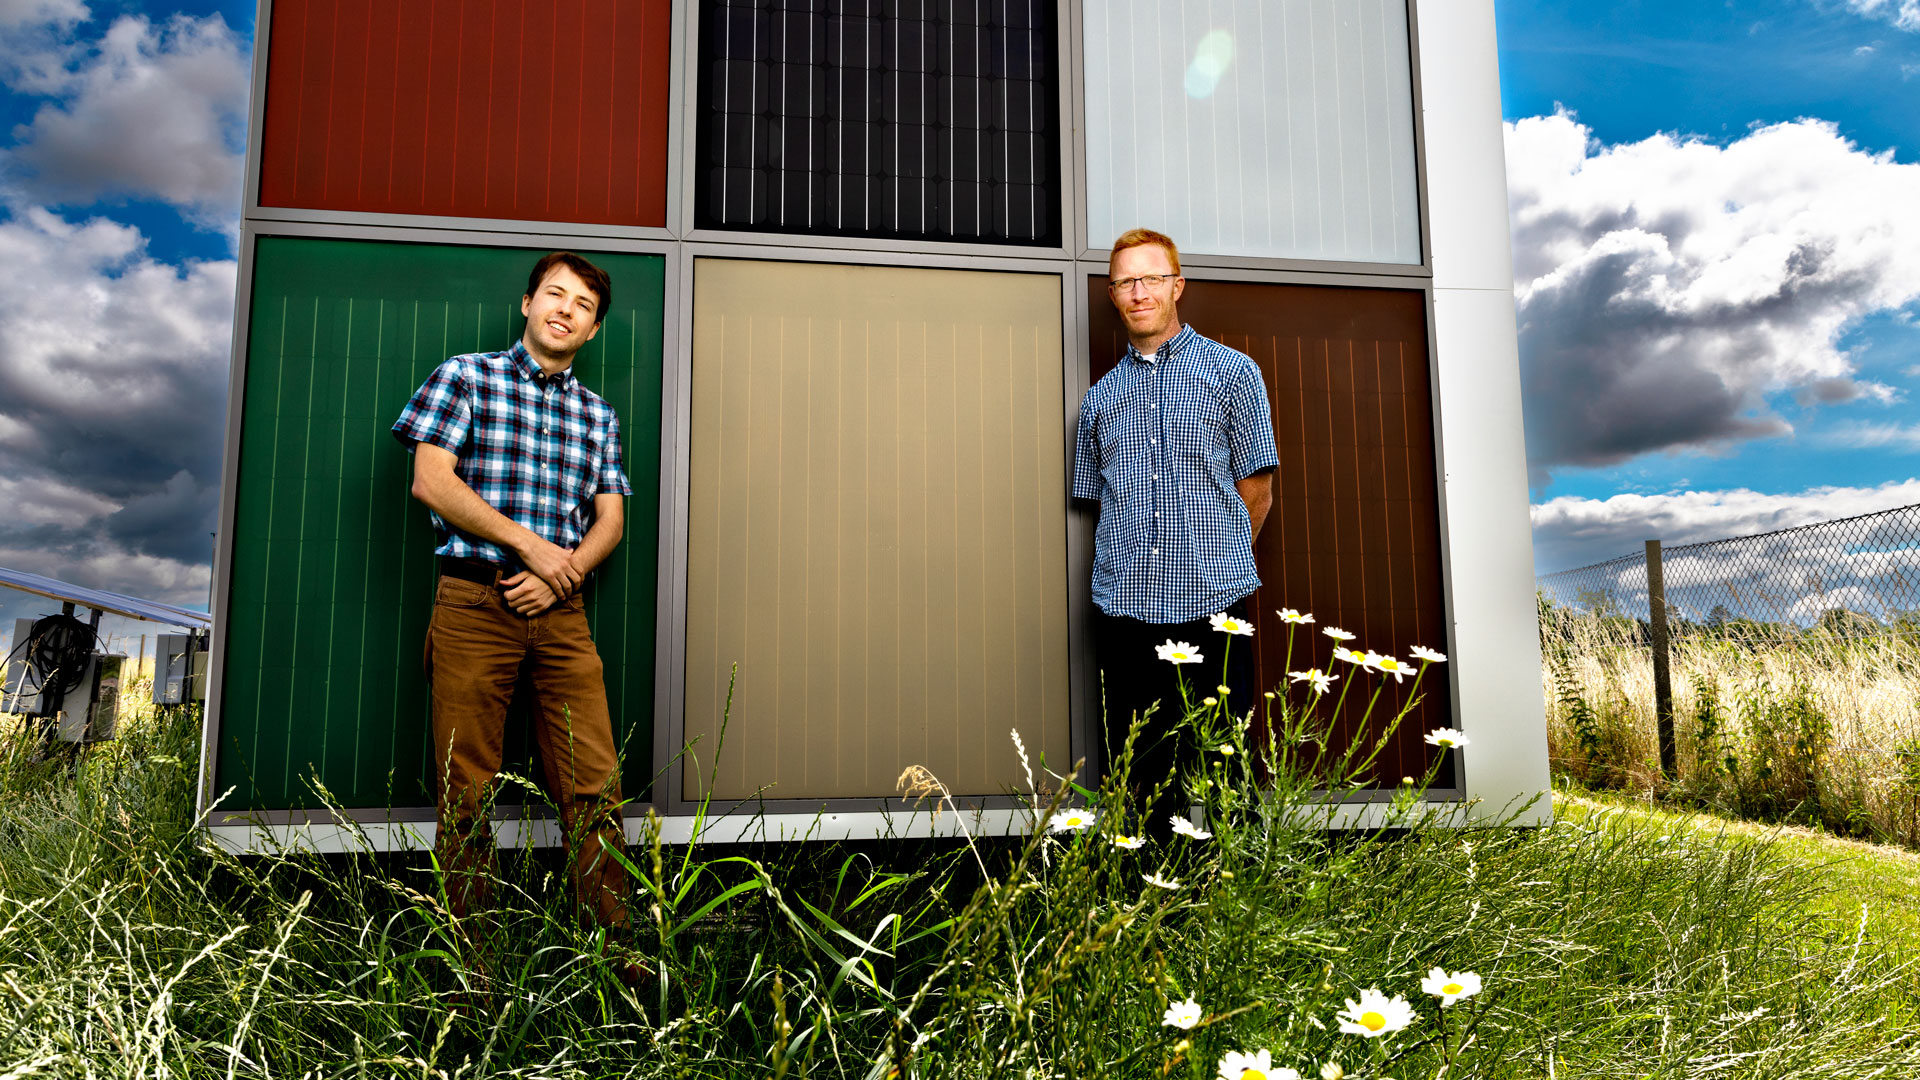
1421 652
1070 820
1227 624
1387 665
1374 1015
1224 750
1446 736
1292 616
1129 843
1255 1066
1188 829
1178 652
1332 1071
1321 680
1450 988
1337 634
1159 882
1341 652
1182 1014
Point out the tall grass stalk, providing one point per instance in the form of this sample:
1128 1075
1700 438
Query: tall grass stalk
1820 728
130 946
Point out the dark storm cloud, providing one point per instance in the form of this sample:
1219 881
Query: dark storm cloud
113 392
1667 288
113 366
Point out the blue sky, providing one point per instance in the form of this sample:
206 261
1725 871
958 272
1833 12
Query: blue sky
1830 408
1716 213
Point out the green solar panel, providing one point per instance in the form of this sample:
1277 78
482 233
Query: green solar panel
333 567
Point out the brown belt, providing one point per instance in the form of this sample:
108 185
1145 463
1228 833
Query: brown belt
475 570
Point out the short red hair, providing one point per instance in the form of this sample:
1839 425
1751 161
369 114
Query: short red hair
1133 238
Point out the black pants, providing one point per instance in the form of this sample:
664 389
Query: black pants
1134 677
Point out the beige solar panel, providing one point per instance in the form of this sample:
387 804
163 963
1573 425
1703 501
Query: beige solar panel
877 531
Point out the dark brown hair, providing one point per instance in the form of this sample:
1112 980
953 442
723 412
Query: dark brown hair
596 279
1141 238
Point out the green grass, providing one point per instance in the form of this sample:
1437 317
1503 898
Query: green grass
1854 874
1614 944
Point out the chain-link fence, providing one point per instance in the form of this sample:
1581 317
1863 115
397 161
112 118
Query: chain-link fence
1854 576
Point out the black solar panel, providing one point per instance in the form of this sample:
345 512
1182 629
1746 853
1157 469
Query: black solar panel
921 119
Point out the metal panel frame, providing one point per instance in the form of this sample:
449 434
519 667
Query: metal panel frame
1423 268
1423 284
252 210
670 735
687 175
252 231
1072 263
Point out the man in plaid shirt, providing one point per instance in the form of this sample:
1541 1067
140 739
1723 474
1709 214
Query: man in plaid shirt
521 467
1176 445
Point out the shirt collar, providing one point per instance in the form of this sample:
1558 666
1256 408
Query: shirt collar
1169 348
530 369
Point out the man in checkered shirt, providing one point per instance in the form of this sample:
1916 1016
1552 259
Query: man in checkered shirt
1176 445
521 467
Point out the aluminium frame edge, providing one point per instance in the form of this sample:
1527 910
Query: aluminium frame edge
210 720
257 110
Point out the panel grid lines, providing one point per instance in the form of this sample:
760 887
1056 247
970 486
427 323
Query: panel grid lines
874 118
1279 129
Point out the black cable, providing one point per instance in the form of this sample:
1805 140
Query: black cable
58 647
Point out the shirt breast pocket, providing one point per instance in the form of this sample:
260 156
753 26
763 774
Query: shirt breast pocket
584 461
1200 426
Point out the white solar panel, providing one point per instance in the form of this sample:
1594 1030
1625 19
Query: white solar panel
112 603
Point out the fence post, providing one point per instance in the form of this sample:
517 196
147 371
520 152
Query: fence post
1662 675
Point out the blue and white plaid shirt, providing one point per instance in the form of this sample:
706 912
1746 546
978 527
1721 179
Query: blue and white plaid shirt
536 449
1161 444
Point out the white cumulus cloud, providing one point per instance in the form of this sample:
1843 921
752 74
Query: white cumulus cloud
151 110
112 390
1667 287
1904 14
1573 531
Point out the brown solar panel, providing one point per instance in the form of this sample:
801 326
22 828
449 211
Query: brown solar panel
1354 533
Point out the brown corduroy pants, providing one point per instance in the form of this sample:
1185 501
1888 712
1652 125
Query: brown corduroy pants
475 650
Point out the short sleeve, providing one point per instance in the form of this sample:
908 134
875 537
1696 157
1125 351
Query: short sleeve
612 478
440 412
1250 438
1087 480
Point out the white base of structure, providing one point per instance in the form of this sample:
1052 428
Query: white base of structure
336 837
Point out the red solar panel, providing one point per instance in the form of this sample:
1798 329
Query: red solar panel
496 109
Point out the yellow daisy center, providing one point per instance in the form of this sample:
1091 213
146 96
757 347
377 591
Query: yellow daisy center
1252 1074
1452 988
1372 1021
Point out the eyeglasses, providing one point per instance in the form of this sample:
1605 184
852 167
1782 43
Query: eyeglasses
1151 281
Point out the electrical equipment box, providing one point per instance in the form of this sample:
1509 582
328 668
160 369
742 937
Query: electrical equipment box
91 711
22 684
180 669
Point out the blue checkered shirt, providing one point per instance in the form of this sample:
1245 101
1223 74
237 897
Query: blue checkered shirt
536 450
1160 445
